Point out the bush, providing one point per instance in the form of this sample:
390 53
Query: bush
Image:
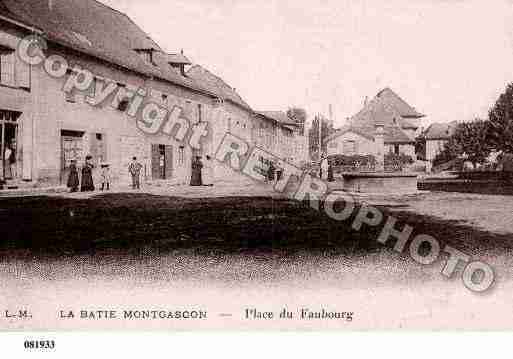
392 159
344 160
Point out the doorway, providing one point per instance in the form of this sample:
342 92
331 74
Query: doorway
72 149
9 145
161 162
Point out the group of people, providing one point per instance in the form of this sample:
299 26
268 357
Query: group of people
201 175
326 170
86 182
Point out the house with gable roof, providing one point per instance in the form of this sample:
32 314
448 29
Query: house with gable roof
387 115
436 136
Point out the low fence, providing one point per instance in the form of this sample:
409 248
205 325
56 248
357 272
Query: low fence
482 182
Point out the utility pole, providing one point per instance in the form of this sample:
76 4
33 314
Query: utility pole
320 136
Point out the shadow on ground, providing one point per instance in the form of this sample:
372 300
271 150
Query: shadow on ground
141 223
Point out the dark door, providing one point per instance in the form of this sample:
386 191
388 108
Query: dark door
72 148
168 162
155 162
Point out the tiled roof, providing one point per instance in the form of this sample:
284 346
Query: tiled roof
93 28
387 109
440 131
216 85
178 59
392 134
280 117
397 103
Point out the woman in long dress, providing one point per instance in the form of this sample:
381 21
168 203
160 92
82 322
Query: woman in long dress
73 181
197 166
87 175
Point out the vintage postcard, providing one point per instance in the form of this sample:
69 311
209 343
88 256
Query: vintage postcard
255 165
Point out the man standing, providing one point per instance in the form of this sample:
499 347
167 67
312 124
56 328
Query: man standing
135 171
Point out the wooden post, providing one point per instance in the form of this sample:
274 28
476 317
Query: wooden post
320 137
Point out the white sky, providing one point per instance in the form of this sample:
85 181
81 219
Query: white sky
448 58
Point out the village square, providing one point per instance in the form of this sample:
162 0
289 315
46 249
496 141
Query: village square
117 151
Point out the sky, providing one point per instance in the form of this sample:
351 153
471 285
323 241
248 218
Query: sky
450 59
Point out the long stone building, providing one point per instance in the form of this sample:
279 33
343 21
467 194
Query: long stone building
47 126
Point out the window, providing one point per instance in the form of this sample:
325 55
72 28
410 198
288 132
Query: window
181 155
200 115
7 67
146 55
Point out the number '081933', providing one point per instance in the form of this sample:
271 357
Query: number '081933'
39 344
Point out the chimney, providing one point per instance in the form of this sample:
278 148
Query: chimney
379 143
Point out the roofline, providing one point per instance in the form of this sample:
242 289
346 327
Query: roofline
102 58
241 106
21 24
284 125
399 142
149 76
343 132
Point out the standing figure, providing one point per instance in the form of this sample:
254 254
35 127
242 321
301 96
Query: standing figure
135 171
73 181
271 171
324 168
208 177
197 166
331 177
8 154
87 175
105 176
13 164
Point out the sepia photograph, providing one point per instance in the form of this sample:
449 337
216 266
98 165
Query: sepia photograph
236 165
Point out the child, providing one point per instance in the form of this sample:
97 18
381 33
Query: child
105 176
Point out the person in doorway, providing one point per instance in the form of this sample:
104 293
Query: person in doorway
105 176
208 176
87 184
135 171
197 167
10 162
73 181
13 161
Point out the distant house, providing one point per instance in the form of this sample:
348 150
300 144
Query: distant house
436 136
278 134
399 121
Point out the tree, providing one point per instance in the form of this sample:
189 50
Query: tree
470 141
299 116
500 131
313 135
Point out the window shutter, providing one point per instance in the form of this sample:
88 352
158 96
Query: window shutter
169 162
22 74
155 162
